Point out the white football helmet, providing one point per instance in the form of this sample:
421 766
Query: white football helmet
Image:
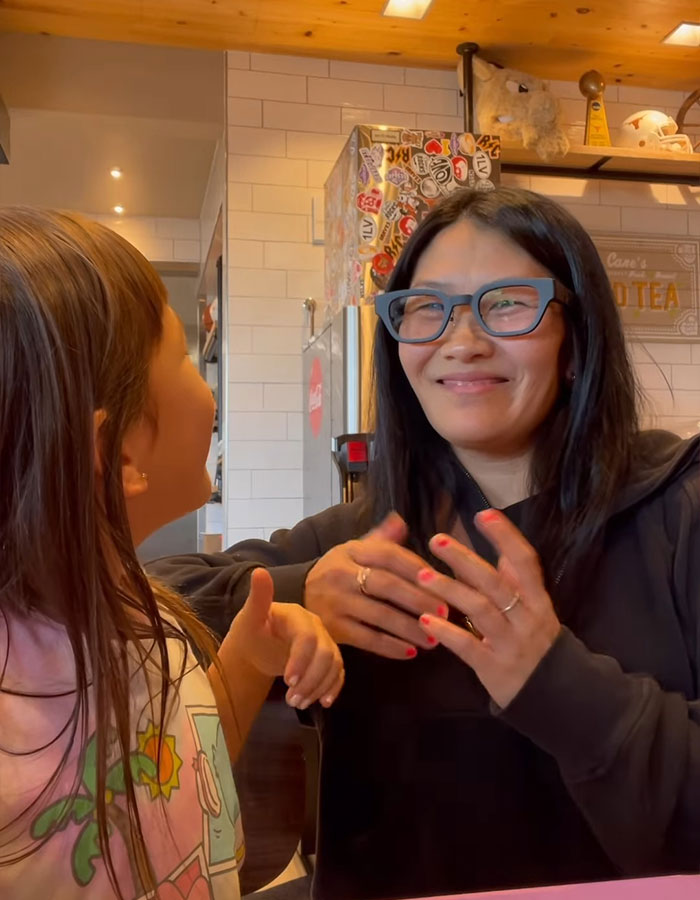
652 129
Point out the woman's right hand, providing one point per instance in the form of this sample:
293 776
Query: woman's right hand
392 600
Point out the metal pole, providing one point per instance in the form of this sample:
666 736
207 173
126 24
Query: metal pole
467 51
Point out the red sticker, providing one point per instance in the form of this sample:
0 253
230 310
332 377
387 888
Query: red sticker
382 264
460 167
434 147
316 397
370 201
407 225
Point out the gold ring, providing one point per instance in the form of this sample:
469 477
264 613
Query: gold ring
472 629
513 603
363 574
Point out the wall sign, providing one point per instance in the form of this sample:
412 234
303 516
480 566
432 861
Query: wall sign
656 283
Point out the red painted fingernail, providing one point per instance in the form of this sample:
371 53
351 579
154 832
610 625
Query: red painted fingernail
443 542
442 611
411 652
426 575
489 516
432 640
425 620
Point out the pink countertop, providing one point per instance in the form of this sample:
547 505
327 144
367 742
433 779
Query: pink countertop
674 887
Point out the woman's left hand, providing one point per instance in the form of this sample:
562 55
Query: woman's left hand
509 607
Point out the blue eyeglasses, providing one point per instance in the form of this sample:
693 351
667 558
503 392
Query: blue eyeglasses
508 308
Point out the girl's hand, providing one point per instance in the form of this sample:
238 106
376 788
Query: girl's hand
508 607
286 639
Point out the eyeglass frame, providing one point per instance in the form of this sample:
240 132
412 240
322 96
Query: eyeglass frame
557 292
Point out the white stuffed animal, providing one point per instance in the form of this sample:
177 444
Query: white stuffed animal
518 107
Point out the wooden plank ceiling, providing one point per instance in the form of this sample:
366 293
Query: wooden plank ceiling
550 38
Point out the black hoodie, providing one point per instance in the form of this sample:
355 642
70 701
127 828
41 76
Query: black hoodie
593 770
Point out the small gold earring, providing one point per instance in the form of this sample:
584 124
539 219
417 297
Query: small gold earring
144 476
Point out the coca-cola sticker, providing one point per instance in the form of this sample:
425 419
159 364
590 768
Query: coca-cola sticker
316 397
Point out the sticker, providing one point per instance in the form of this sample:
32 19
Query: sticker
366 250
471 178
398 155
370 201
421 164
377 152
441 171
368 229
412 138
369 160
482 164
407 225
391 211
490 144
408 200
385 137
467 144
460 167
363 175
316 397
435 147
454 144
356 271
382 264
483 184
394 250
396 176
385 232
429 188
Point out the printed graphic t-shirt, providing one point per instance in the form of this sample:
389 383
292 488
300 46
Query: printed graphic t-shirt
189 809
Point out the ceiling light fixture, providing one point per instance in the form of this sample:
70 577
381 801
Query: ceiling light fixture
687 34
116 172
406 9
119 210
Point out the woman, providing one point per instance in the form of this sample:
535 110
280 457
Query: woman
559 741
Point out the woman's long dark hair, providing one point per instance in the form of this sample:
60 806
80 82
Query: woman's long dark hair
81 315
583 450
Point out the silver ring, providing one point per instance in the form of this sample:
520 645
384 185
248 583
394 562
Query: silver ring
363 574
513 603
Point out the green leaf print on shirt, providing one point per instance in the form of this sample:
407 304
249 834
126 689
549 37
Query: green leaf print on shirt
82 809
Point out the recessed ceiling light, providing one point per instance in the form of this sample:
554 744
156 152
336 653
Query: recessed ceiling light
687 34
116 172
119 209
406 9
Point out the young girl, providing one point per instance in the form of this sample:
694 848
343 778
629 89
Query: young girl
115 747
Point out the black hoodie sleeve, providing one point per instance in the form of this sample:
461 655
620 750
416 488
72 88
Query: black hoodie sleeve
217 583
628 751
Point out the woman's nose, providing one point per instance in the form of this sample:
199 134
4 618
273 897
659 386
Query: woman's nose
463 333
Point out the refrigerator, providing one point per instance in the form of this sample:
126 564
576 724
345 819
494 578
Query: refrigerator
384 182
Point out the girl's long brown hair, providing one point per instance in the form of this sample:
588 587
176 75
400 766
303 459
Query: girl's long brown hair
81 315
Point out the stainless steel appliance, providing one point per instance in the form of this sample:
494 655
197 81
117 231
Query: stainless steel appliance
384 182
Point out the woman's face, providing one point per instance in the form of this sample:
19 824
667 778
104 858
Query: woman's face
478 392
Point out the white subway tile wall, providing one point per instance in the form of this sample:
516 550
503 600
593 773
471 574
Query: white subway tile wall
288 118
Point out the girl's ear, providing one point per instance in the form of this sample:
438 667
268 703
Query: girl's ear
134 480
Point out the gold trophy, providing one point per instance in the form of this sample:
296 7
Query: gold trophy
592 85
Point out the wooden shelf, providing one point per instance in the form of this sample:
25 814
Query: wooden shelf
607 163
